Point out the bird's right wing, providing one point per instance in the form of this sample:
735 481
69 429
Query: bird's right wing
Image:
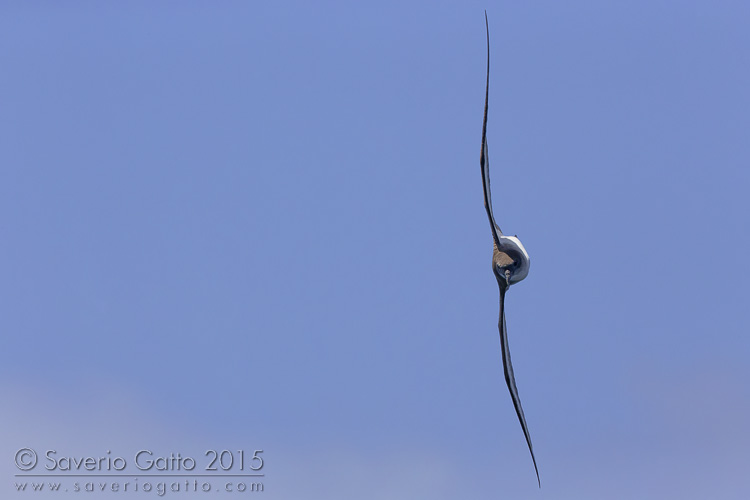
484 159
510 379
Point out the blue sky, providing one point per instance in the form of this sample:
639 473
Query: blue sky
261 226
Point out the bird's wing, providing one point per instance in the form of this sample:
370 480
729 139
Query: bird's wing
484 160
511 380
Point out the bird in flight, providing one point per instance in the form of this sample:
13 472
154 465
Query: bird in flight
510 263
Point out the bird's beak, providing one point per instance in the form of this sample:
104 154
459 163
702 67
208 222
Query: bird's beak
507 277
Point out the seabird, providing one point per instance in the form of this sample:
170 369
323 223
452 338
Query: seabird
510 263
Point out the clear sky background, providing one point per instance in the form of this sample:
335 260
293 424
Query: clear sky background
231 225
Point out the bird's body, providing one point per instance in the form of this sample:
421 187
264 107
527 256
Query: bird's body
510 263
511 256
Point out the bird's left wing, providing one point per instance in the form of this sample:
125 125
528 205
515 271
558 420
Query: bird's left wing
510 379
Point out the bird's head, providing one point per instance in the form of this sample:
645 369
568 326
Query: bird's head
510 262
